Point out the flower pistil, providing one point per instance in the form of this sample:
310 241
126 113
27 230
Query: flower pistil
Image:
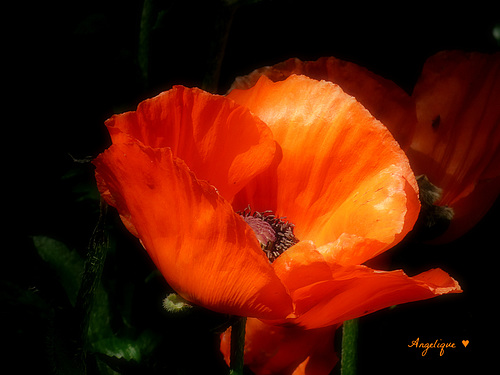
275 234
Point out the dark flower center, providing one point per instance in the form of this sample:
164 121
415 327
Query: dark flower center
275 234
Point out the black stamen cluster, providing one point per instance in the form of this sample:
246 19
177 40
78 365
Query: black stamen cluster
282 228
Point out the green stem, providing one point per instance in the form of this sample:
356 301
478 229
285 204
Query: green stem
237 346
349 347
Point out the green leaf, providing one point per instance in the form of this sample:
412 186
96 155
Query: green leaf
127 345
128 348
66 263
100 318
77 181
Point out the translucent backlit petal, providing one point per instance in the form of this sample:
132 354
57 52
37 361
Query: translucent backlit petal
326 292
220 141
205 251
355 291
383 98
341 170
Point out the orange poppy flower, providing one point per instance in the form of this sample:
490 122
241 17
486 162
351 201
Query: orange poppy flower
185 166
206 252
448 127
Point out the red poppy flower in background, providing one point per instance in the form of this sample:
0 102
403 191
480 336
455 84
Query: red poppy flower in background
449 127
273 350
457 139
184 167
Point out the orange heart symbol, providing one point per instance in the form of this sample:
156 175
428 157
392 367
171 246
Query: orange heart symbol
465 342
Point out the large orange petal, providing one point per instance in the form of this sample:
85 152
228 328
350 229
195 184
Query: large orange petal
274 350
205 251
220 141
383 98
327 292
341 171
355 291
457 142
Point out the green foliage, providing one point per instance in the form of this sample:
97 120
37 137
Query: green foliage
129 344
66 264
110 335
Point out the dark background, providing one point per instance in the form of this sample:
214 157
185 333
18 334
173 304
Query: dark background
71 65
